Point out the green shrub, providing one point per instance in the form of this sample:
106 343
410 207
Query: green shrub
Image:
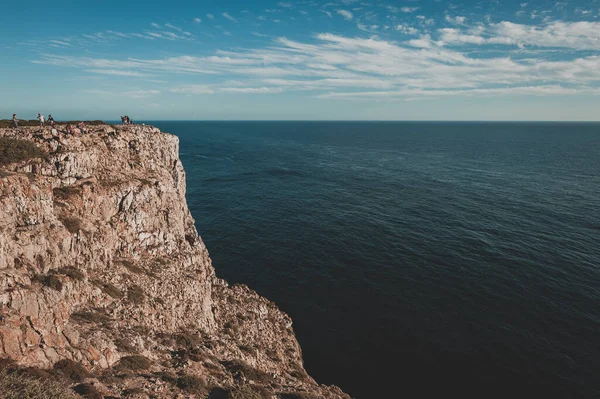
49 280
72 370
191 384
15 150
134 363
16 385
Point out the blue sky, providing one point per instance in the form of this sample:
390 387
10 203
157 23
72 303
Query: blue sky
314 60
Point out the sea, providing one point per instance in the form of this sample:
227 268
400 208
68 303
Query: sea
417 259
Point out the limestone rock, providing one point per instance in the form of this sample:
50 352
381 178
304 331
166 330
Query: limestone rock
100 261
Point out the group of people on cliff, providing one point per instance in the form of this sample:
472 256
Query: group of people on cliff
70 128
50 121
126 120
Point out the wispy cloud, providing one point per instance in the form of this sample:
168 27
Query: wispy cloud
229 17
342 67
129 93
118 72
197 20
346 14
575 35
178 29
210 16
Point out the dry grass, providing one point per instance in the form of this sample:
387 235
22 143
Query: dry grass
136 294
249 392
124 344
15 384
109 289
241 368
64 193
88 391
129 265
71 272
299 395
134 363
90 317
72 224
132 392
49 280
72 370
191 384
15 150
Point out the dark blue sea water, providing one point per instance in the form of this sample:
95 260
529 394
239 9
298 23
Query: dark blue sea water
415 258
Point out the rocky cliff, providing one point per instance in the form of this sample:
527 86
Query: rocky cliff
102 271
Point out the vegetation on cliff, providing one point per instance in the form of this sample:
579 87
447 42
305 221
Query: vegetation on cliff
15 150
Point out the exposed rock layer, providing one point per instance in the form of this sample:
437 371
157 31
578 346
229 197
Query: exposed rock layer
100 260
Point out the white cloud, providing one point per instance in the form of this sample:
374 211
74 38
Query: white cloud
130 93
118 72
411 93
423 42
346 14
251 90
335 66
210 16
178 29
409 30
229 17
193 89
61 43
455 20
409 9
575 35
155 25
197 20
424 21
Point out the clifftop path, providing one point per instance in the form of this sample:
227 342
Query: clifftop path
101 265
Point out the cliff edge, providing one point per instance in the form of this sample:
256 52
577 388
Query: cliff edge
106 286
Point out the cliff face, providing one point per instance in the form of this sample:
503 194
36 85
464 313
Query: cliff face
100 263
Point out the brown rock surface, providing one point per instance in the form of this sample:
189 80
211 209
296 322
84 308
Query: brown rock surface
100 263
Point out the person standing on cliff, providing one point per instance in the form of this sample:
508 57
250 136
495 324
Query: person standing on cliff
15 121
40 118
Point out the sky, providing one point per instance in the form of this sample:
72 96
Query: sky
301 60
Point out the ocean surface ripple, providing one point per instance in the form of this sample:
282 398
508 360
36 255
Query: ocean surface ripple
414 258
